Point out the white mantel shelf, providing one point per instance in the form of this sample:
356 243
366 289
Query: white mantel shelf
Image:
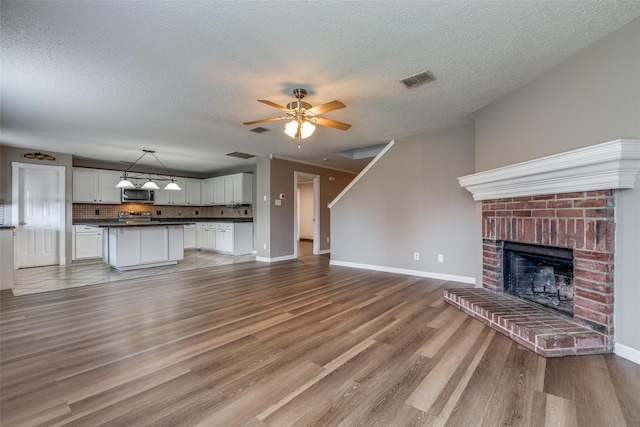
611 165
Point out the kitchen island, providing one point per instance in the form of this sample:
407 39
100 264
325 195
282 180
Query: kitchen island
132 245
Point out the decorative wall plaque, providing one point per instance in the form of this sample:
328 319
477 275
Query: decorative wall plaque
39 156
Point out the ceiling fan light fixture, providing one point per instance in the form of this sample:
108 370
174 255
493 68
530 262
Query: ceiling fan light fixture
307 130
291 128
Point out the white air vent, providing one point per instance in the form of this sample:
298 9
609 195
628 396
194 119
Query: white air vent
240 155
417 79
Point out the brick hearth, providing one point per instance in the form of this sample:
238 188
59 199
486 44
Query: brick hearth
548 334
581 221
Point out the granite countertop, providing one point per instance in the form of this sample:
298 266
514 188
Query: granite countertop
7 227
117 224
163 221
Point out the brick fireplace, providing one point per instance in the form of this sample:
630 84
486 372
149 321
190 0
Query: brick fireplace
525 205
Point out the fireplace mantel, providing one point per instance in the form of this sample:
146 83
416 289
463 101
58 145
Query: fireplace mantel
610 165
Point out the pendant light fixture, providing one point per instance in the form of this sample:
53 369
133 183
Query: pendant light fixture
150 184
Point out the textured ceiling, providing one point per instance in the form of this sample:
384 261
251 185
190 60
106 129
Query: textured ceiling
104 80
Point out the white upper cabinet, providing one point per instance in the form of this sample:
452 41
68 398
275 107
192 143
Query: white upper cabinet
193 190
238 189
218 191
99 186
171 197
228 190
95 186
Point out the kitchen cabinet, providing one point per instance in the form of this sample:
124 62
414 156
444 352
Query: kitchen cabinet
192 192
172 197
238 189
86 242
213 191
218 191
95 186
6 257
230 238
224 238
228 190
206 235
190 236
147 246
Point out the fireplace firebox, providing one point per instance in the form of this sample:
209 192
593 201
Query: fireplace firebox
542 274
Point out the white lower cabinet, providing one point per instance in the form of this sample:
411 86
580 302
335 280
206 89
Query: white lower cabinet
148 246
224 237
86 242
206 236
190 236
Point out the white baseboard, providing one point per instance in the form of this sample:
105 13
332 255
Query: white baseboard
628 353
276 259
419 273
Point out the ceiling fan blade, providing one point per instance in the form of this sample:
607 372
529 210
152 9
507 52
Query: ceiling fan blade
331 123
273 104
273 119
325 108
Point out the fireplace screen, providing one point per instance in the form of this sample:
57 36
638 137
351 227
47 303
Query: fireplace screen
541 274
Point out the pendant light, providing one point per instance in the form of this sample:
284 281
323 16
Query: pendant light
150 184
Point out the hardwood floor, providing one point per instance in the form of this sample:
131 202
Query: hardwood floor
290 343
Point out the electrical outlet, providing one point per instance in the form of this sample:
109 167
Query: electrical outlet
196 212
440 258
264 246
327 240
158 212
416 256
97 211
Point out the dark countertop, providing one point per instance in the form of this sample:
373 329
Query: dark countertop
163 221
116 224
7 227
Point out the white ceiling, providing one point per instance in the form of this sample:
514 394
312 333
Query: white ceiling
104 80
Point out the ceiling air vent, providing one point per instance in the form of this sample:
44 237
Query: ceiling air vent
259 129
418 79
240 155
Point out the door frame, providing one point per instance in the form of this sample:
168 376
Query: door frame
15 207
316 211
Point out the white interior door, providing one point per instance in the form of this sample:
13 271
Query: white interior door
39 214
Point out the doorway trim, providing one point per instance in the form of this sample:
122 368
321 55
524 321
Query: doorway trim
60 197
297 177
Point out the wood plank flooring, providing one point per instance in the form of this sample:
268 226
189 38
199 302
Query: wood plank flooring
290 343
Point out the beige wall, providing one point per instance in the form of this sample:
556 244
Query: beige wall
275 224
410 201
592 97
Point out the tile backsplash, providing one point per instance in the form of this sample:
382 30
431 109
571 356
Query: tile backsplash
93 211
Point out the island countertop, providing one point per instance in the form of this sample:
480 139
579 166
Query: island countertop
164 221
116 224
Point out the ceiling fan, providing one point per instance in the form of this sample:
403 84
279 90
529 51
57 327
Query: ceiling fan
303 117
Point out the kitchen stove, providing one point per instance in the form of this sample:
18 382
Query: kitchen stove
134 217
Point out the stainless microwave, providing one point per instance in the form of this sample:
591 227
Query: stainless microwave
137 195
